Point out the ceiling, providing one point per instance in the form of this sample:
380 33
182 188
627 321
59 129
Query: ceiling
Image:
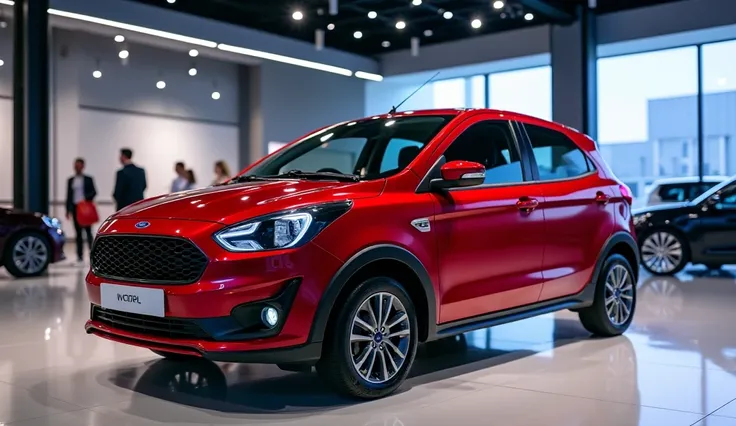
430 21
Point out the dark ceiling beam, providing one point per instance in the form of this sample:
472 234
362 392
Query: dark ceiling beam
548 10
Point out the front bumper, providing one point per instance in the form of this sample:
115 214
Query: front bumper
230 285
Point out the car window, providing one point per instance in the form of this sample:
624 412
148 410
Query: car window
491 144
673 193
339 156
395 149
557 155
728 198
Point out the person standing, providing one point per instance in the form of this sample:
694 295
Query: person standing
79 188
222 173
182 179
191 180
130 181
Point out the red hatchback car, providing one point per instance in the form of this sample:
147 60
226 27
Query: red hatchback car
347 248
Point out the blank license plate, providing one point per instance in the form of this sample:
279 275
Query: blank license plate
136 300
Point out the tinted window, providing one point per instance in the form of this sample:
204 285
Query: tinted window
673 193
557 156
728 198
491 144
395 149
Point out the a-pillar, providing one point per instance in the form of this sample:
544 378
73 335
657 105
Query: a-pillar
31 106
574 73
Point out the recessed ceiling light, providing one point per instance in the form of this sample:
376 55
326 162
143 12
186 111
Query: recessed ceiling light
476 23
330 27
529 16
160 84
498 4
215 95
386 43
2 62
372 14
428 33
416 2
123 54
401 25
96 73
171 1
297 16
357 34
194 53
119 38
192 71
447 15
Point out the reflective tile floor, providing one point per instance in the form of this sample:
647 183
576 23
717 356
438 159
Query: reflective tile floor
676 366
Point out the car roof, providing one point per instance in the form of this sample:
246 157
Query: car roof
688 179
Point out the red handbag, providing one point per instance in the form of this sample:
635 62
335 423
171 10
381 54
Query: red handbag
87 214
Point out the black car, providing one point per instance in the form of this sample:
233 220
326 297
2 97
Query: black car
29 242
700 231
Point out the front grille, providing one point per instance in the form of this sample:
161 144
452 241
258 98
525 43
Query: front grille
171 328
147 259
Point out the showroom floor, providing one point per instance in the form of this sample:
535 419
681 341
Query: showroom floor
675 366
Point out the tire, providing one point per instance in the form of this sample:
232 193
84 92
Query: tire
664 239
615 274
36 246
386 370
173 356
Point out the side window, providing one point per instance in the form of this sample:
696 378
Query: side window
398 152
672 193
490 143
728 198
557 156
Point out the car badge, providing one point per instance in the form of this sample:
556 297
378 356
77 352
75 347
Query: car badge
142 225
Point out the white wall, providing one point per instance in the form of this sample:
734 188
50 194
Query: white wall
95 118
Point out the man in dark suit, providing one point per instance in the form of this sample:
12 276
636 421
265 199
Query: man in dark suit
79 187
130 181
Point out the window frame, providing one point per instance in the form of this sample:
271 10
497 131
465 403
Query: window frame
518 144
593 169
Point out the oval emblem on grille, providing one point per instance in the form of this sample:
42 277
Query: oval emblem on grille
141 225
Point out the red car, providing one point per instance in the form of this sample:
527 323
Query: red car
350 246
29 242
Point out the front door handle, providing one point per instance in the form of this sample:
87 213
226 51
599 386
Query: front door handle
602 198
527 204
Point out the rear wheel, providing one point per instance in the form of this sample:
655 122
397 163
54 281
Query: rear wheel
615 299
27 255
373 341
664 252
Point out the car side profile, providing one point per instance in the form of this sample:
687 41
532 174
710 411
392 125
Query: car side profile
352 245
29 242
702 231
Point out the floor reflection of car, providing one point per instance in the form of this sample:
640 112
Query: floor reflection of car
702 231
679 189
29 242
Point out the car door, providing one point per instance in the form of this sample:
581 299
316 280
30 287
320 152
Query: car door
579 216
717 229
490 237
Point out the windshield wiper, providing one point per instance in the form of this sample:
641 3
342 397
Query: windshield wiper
342 177
249 178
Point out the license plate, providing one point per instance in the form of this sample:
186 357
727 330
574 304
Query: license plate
136 300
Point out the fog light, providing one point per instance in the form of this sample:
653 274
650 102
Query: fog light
270 316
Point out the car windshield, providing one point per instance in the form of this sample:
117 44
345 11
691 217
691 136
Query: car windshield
358 150
707 194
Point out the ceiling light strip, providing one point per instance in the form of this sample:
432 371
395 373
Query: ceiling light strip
207 43
134 28
368 76
285 59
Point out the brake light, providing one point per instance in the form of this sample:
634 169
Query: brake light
626 193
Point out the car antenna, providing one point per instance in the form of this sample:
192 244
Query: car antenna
393 109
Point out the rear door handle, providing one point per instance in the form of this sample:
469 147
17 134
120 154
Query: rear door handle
602 198
527 204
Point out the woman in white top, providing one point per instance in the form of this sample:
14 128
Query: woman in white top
222 173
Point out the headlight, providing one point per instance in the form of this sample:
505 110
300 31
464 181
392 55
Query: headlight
51 222
281 230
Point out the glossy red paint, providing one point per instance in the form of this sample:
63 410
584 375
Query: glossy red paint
487 248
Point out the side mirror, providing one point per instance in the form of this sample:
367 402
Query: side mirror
458 174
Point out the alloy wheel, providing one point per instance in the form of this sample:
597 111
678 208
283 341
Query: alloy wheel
30 254
662 252
379 338
619 295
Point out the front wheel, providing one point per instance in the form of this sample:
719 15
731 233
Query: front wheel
664 252
27 255
615 299
373 341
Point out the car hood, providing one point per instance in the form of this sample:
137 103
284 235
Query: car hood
229 204
673 207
